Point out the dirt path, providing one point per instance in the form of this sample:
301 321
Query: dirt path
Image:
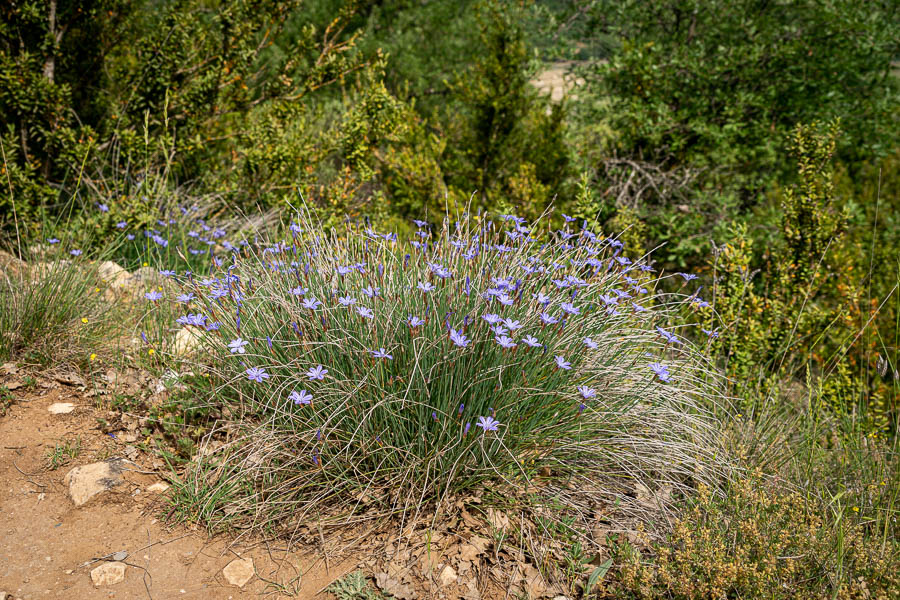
45 540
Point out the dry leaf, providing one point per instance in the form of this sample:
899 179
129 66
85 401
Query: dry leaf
389 585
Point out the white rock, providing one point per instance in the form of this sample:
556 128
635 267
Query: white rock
159 487
112 273
447 576
87 481
61 408
239 572
109 573
187 341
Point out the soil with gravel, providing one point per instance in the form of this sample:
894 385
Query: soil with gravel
48 546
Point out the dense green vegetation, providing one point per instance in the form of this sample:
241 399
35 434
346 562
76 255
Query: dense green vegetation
752 144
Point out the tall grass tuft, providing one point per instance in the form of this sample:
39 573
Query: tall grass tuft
358 371
52 309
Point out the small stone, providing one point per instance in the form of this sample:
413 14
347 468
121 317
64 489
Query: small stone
159 487
61 408
109 573
447 576
239 572
112 273
186 341
87 481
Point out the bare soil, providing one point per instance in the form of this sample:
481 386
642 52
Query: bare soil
48 546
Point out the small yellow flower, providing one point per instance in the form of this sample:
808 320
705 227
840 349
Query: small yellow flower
96 289
93 356
84 320
151 352
146 264
856 509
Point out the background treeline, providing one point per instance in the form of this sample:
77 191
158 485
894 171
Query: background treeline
756 139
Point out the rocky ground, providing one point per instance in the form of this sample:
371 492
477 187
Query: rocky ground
93 528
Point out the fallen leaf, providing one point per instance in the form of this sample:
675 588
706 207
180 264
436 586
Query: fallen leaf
389 585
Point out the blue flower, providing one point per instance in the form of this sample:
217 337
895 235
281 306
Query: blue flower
237 346
103 208
661 370
669 337
569 308
505 300
425 286
257 374
298 291
586 392
191 319
341 270
458 338
381 353
167 273
531 341
687 276
542 298
590 343
185 298
371 292
512 325
347 300
311 303
75 252
121 224
301 397
414 321
53 241
505 341
548 320
491 318
712 334
318 373
488 424
153 295
365 312
562 363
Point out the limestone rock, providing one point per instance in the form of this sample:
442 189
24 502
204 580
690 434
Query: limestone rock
239 571
112 274
87 481
447 576
109 573
187 341
61 408
159 487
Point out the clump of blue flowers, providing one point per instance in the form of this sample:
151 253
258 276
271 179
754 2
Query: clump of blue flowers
476 348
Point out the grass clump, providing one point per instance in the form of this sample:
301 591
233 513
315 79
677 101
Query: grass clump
52 310
362 371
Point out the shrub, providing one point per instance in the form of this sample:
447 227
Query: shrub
364 369
760 542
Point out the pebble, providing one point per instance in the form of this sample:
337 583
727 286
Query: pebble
448 575
109 573
87 481
239 571
61 408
